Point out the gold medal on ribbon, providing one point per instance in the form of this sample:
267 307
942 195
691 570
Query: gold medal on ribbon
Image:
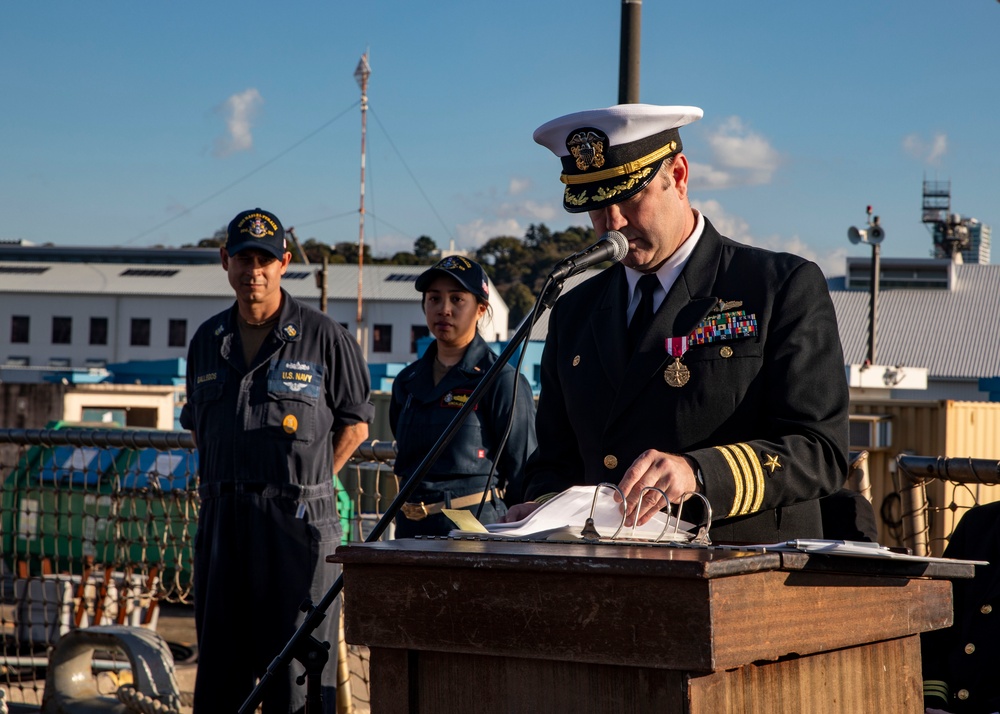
677 373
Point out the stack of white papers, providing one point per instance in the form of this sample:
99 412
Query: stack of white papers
564 516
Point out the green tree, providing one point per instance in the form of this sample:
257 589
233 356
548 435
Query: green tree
405 258
315 250
549 248
424 248
349 252
506 259
519 299
217 240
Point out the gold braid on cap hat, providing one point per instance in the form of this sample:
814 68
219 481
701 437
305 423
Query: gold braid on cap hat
622 170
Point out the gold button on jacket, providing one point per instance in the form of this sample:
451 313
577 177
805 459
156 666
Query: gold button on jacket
610 461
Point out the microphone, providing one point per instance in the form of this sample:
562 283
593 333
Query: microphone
612 246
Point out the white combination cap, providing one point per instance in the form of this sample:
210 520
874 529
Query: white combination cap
611 154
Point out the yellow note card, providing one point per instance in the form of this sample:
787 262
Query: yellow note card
464 520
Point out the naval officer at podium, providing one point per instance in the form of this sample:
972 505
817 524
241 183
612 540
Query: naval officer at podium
697 363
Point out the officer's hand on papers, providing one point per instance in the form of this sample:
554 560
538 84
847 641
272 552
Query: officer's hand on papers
671 473
519 512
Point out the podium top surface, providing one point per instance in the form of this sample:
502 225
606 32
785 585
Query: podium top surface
626 558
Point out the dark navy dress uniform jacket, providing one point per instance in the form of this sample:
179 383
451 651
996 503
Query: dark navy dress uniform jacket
268 514
963 658
765 417
420 412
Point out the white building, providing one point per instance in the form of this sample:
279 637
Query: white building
85 308
940 317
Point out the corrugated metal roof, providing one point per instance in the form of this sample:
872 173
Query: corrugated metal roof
953 333
379 282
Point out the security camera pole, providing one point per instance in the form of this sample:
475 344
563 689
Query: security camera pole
873 235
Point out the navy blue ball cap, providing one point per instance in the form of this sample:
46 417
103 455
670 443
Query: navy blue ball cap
609 155
256 229
469 274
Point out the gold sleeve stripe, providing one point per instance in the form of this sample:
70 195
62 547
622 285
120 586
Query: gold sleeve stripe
737 479
936 688
622 170
749 485
748 478
758 476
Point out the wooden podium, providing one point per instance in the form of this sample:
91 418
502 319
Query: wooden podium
495 626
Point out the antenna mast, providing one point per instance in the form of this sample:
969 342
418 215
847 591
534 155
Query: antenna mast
950 231
361 74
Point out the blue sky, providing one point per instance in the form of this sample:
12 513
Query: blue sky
153 123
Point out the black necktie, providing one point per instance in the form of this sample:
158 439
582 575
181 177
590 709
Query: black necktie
643 316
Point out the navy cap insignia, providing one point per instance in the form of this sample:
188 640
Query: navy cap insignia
257 229
587 147
454 262
290 331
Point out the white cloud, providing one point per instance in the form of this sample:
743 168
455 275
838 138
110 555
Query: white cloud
741 157
731 226
927 152
735 227
706 176
504 213
238 112
473 234
532 211
517 186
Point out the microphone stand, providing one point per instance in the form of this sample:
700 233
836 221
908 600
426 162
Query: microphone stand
305 648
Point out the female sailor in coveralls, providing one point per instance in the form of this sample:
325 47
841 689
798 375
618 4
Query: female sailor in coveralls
429 393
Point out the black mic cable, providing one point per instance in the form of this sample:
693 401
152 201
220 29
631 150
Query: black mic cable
533 317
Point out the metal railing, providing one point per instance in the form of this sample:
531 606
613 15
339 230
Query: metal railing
962 476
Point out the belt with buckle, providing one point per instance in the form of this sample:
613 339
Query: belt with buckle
419 511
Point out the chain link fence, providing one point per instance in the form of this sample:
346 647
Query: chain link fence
97 527
935 492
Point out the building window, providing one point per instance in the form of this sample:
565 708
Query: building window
95 363
140 332
17 362
62 330
382 338
62 362
19 325
416 332
177 337
98 330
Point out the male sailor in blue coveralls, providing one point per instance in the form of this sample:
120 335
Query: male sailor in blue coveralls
278 400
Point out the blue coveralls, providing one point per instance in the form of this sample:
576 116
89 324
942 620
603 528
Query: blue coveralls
268 514
419 413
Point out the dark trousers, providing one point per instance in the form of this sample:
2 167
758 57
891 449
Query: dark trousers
256 559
